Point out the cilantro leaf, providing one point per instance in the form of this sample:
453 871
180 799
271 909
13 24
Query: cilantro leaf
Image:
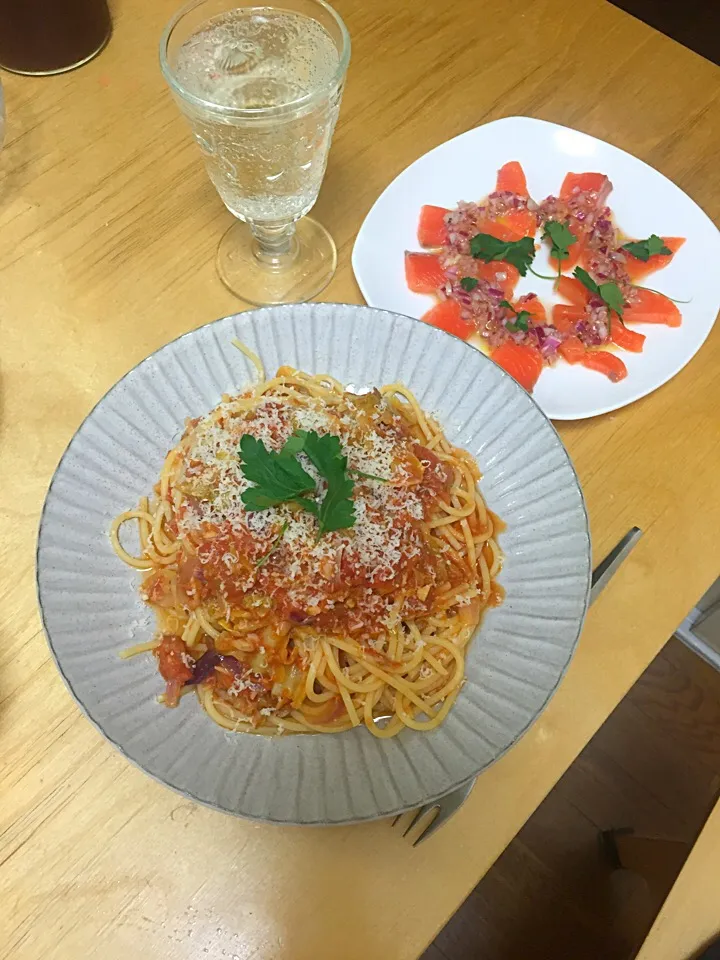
337 510
586 280
521 319
613 297
278 476
610 293
644 249
519 253
468 283
561 239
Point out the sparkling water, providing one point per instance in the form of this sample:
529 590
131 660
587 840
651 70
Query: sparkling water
267 168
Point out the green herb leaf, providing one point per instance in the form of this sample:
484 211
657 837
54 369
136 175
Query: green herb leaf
337 510
293 444
644 249
278 476
521 319
586 280
561 239
613 297
274 547
609 293
309 505
519 253
468 283
366 476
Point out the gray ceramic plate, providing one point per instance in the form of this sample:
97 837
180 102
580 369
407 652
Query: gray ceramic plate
90 604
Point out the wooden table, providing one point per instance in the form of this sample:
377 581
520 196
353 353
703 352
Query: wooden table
108 231
690 917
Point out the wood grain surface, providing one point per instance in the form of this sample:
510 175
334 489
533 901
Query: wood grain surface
108 230
690 917
653 767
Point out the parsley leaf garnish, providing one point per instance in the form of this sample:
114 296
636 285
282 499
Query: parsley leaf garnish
561 239
337 510
279 477
644 249
519 253
468 283
609 293
521 319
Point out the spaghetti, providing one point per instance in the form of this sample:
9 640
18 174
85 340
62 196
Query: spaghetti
279 629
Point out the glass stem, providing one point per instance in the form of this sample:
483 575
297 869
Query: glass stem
275 245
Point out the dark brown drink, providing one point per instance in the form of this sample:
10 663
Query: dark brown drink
49 36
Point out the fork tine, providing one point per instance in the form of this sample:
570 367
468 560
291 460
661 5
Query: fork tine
414 819
436 822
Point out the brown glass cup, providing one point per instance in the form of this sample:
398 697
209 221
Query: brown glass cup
51 36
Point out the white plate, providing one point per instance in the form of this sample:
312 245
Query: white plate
644 202
91 609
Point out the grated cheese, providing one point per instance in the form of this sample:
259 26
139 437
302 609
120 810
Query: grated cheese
386 534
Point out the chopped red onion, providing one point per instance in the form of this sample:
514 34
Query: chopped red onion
550 346
208 661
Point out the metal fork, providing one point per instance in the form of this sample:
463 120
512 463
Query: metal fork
446 806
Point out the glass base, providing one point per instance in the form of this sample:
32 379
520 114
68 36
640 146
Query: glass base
292 278
64 69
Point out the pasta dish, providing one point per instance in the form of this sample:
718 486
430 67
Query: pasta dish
316 559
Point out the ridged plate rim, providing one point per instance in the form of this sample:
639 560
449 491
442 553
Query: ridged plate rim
257 321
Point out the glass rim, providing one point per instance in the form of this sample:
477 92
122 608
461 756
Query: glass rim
253 112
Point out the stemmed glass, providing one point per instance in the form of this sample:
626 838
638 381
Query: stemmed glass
261 87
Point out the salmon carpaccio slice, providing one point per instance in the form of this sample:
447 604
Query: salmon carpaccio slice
423 272
447 316
639 269
523 363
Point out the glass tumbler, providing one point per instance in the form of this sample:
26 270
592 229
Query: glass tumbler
261 88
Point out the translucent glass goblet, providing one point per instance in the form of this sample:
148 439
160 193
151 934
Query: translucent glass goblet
261 88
